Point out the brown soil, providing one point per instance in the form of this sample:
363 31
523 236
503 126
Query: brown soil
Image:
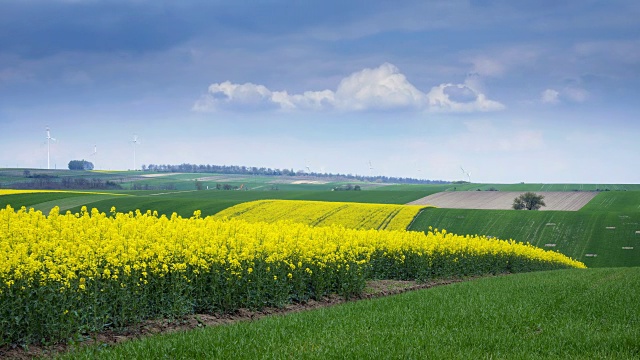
374 289
503 200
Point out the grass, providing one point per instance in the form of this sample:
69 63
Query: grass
579 235
184 203
31 200
566 314
213 201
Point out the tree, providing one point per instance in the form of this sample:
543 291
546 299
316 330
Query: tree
199 185
528 201
80 165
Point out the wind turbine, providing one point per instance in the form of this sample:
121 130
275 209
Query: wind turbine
135 142
49 139
307 166
468 174
95 151
370 169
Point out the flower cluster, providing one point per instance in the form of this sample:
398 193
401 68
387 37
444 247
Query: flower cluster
65 274
322 213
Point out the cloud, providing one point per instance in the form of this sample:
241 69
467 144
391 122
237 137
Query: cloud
550 96
239 96
571 93
460 98
381 88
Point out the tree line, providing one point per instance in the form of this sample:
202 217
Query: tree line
263 171
65 183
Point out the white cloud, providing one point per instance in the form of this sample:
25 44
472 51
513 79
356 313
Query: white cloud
459 98
550 96
229 95
571 93
381 88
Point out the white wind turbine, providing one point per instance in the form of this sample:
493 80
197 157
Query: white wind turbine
49 139
135 142
468 174
95 151
370 169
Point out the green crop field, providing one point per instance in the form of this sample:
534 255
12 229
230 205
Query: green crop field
561 314
184 203
601 234
564 314
45 201
213 201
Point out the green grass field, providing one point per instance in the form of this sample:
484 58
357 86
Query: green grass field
45 201
186 202
595 235
574 314
565 314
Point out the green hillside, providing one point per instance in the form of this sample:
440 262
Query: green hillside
564 314
596 235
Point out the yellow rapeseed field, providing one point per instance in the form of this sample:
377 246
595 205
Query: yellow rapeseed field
65 274
322 213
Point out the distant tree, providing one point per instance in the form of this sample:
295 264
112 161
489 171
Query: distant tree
528 201
80 165
357 188
199 185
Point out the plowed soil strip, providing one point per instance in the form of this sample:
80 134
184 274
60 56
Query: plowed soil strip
503 200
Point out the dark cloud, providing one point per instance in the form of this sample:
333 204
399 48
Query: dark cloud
37 29
42 28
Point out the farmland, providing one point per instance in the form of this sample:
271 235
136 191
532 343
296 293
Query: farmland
586 235
503 200
322 213
564 314
63 274
601 234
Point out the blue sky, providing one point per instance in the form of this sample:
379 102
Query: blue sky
533 91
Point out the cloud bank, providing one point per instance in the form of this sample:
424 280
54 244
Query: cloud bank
381 88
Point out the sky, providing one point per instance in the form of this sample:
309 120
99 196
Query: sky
504 91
